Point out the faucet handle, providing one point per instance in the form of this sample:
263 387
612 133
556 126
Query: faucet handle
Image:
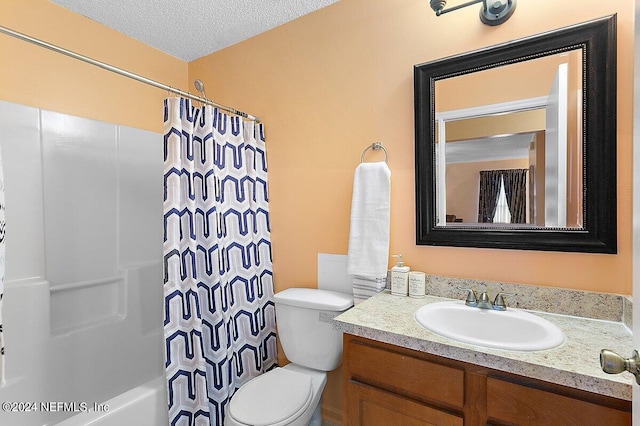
498 303
472 299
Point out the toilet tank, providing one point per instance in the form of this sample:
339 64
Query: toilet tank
303 318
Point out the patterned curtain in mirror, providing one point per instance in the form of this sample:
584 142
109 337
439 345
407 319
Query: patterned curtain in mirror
515 187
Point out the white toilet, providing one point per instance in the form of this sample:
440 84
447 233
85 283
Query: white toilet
290 395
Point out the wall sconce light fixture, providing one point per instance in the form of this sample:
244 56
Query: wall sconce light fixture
493 12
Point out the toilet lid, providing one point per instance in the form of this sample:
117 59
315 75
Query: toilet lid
272 397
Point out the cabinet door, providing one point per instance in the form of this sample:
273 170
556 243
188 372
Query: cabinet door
401 372
510 403
370 406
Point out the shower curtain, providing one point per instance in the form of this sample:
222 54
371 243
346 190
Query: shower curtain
219 320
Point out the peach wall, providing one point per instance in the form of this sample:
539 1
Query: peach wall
37 77
332 82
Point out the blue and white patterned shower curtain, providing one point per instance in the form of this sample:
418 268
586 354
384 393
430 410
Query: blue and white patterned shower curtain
219 319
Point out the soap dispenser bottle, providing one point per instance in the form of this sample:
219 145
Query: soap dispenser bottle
400 278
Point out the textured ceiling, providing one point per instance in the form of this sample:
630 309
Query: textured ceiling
190 29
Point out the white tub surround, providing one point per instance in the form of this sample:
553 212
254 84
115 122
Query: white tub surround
575 363
82 308
145 405
2 263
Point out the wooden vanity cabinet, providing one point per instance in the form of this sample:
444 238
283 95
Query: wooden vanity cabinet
389 385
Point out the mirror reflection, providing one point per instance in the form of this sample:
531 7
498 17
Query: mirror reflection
512 138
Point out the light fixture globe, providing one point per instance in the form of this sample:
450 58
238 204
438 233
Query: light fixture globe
496 12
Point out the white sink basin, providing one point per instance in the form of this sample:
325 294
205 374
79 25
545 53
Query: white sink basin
512 329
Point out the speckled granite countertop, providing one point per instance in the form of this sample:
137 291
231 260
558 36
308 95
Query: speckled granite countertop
575 363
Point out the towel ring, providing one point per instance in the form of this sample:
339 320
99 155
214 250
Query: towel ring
374 146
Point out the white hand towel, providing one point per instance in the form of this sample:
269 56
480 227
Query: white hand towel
368 253
365 287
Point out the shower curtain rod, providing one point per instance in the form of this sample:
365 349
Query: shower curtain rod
24 37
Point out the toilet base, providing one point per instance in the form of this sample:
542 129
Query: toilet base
314 418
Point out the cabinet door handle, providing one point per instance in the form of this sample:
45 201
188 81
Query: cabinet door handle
612 363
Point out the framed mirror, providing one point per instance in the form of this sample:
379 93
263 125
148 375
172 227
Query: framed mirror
515 144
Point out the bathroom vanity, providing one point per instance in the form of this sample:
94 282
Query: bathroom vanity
397 372
387 384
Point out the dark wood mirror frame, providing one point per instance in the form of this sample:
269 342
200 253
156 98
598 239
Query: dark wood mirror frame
597 39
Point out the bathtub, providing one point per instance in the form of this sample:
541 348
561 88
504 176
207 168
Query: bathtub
145 405
110 362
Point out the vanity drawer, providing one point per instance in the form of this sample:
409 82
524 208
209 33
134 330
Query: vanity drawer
371 406
516 404
404 374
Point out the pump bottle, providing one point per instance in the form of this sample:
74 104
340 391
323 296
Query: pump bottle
400 278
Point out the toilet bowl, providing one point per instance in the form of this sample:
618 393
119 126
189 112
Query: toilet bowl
290 395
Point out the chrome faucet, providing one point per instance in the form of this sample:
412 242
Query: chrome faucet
483 302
